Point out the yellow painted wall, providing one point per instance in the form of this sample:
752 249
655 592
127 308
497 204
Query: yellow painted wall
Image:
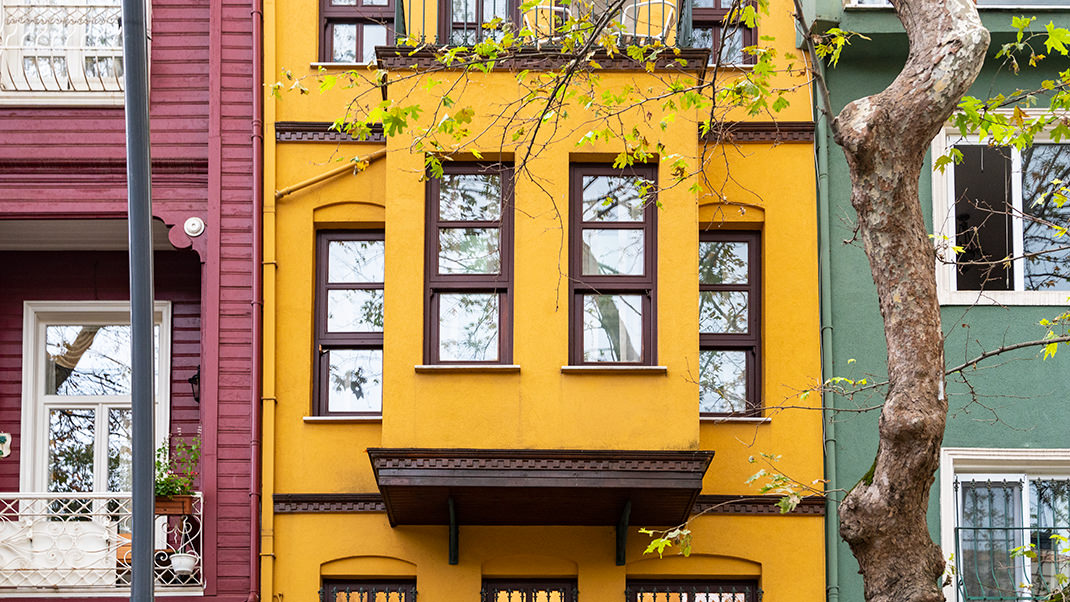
748 186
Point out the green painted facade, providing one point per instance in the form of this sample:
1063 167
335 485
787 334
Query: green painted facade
1022 400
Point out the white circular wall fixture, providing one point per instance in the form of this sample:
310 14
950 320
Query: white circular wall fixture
194 226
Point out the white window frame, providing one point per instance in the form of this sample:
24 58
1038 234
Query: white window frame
36 316
981 463
943 208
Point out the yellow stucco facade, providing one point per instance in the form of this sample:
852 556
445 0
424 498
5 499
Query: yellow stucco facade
535 404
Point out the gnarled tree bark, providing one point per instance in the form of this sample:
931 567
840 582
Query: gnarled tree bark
885 137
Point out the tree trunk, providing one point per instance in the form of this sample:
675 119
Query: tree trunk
885 138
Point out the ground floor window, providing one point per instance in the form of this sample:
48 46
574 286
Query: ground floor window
368 590
692 591
528 590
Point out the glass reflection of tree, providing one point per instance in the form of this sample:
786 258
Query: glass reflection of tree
991 517
70 450
605 197
468 251
722 381
119 450
1050 521
88 360
478 334
607 312
470 197
1043 164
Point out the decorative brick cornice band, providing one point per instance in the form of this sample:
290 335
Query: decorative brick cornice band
322 503
320 131
405 58
555 460
761 131
756 504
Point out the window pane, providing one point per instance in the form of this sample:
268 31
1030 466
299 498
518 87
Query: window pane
374 35
722 312
70 449
989 529
468 251
464 11
1041 164
355 310
470 197
612 199
119 449
732 46
344 2
722 262
722 381
468 327
613 252
376 3
355 261
87 360
90 359
355 380
1050 522
344 43
982 225
612 328
495 9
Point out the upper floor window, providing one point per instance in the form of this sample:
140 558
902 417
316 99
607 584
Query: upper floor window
465 19
711 28
351 29
469 267
612 242
349 323
69 49
649 590
997 514
997 209
729 323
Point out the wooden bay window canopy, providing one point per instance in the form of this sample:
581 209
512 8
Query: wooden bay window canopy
538 487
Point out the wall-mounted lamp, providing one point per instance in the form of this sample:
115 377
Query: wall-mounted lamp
195 384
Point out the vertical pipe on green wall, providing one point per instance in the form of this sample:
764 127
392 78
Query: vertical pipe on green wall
832 522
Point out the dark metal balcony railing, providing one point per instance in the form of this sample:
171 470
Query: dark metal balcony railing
1011 563
80 542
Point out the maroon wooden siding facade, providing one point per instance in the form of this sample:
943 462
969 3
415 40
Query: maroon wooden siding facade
69 163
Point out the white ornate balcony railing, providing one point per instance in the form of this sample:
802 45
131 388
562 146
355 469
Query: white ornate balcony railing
61 46
81 542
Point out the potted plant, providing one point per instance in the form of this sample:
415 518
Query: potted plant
183 563
175 474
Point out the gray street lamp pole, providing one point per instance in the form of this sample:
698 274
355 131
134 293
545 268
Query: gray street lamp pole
139 202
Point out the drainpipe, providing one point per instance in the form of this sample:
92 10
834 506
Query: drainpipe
832 515
257 18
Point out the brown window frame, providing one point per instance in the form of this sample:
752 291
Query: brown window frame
403 590
447 24
326 341
500 283
331 15
716 19
580 284
636 589
530 588
750 342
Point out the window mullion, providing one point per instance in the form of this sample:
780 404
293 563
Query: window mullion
100 448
